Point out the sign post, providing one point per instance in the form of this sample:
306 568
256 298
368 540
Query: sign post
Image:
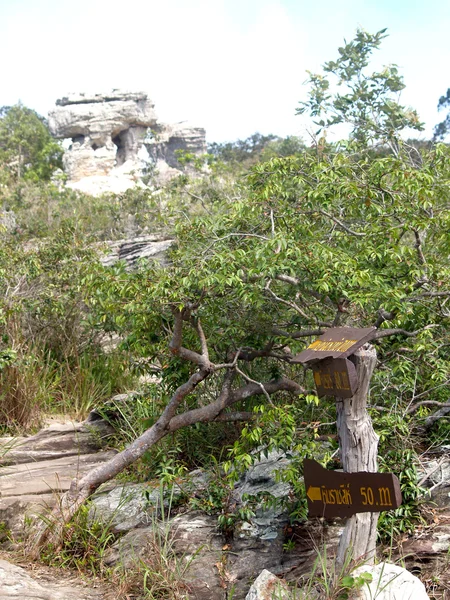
343 361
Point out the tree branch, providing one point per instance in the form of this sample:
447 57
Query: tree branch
387 332
297 334
414 407
341 224
428 295
292 305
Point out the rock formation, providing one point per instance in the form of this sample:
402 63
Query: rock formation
108 133
167 147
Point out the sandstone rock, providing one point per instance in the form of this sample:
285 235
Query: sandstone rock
134 249
219 563
107 134
15 582
37 469
122 507
56 441
170 140
268 587
390 582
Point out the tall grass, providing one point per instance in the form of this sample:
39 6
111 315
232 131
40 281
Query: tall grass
35 385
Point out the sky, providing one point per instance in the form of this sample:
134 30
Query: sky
234 67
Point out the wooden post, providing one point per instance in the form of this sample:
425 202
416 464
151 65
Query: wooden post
359 448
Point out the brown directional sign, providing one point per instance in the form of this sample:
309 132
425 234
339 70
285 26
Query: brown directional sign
335 494
337 342
335 377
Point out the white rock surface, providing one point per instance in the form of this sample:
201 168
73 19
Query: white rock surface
268 587
107 132
390 582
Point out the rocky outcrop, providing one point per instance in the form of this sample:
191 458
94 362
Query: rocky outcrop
107 133
171 144
35 470
132 250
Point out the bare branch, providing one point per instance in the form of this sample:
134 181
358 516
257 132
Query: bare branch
292 305
177 334
202 337
383 315
297 334
234 417
288 279
431 420
414 407
253 389
250 380
431 390
387 332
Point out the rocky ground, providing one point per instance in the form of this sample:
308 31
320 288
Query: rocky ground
36 470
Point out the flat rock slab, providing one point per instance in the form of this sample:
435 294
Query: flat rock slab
15 582
35 470
46 476
58 440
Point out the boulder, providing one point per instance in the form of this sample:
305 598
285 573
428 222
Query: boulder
390 582
268 587
217 562
108 131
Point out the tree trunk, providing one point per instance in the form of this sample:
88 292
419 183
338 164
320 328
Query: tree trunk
358 444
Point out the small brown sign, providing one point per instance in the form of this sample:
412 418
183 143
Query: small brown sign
335 494
335 377
337 342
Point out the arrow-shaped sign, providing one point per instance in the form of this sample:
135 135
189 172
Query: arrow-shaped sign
337 494
314 493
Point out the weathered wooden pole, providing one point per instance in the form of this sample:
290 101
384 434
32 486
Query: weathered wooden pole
358 444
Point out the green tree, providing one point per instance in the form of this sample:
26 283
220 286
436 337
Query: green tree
27 150
316 240
442 128
366 101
